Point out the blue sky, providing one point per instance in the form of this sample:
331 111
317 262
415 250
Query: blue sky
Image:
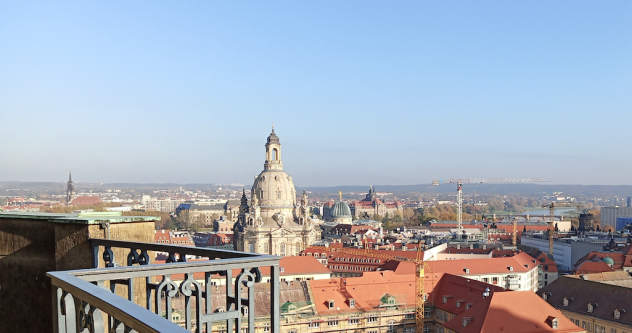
361 92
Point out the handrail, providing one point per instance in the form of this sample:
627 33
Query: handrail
133 315
83 299
189 250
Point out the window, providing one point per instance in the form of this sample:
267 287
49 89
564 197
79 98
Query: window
278 194
427 312
495 280
391 326
411 315
371 320
546 275
440 330
352 303
617 315
314 324
409 329
486 280
353 321
590 307
426 328
293 331
565 301
266 327
282 249
331 304
332 322
612 330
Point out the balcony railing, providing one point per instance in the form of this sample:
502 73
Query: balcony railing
87 299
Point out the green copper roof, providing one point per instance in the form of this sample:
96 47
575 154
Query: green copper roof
80 218
608 261
340 209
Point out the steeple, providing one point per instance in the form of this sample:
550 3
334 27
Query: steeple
70 189
273 152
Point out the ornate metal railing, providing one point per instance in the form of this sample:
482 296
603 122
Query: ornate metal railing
89 299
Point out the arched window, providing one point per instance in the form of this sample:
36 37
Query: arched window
266 248
251 248
298 247
282 249
275 154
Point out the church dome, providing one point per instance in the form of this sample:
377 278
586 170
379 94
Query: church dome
608 261
274 188
340 210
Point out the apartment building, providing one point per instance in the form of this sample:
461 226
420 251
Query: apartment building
609 214
599 303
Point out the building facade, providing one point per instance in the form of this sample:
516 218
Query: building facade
371 205
609 215
274 222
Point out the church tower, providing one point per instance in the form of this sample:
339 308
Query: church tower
70 190
274 222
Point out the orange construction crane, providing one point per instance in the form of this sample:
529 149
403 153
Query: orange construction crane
551 206
420 266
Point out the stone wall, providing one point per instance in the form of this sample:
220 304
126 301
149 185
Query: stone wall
31 247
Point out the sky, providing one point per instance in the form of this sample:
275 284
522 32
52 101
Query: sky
360 92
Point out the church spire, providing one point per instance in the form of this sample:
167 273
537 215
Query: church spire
70 189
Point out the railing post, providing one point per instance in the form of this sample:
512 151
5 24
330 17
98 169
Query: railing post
59 322
274 298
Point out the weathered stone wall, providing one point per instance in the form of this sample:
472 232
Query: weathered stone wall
31 247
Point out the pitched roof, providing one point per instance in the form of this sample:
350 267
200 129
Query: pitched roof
521 262
369 289
511 311
86 201
588 267
618 258
604 296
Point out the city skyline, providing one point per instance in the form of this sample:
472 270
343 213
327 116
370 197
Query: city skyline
360 92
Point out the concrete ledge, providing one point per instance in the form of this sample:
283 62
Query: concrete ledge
79 218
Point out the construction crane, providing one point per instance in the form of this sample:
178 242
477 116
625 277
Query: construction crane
420 266
551 206
459 192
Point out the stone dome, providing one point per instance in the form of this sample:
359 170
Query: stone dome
340 210
274 188
608 261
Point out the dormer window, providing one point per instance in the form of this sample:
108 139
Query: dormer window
590 307
617 314
544 296
459 302
554 323
446 298
565 301
351 303
331 304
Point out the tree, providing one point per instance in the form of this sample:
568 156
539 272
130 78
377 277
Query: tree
186 221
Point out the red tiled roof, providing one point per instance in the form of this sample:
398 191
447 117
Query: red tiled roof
368 290
521 262
220 239
511 311
617 257
588 267
86 201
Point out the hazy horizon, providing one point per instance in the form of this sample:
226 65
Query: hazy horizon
360 92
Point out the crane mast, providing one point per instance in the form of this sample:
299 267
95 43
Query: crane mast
459 194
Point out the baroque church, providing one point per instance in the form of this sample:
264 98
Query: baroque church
274 222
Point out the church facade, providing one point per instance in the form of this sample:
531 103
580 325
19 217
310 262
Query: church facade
274 222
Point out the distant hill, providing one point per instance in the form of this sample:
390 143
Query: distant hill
500 189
